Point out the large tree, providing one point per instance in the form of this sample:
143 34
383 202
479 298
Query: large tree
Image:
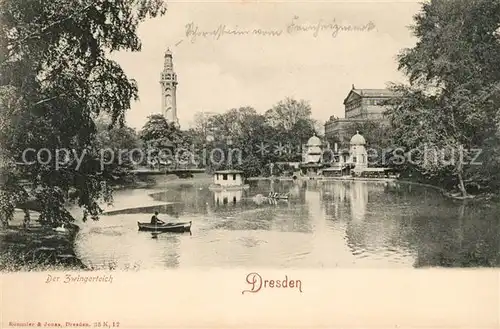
258 139
235 133
55 76
164 141
287 113
451 103
119 146
293 125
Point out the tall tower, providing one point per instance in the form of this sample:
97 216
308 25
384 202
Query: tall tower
168 84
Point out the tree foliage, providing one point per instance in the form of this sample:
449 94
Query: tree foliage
118 145
452 101
159 133
55 76
255 139
163 140
201 129
287 113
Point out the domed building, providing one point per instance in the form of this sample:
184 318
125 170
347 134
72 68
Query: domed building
348 162
358 155
311 157
355 162
314 150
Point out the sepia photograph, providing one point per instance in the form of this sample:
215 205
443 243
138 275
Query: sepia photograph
155 135
317 136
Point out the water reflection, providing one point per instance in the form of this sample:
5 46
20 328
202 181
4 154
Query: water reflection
358 200
462 237
225 197
324 224
170 246
113 242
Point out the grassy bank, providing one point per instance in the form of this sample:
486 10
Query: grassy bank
38 248
159 181
196 180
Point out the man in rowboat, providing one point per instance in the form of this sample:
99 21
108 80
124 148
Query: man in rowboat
155 220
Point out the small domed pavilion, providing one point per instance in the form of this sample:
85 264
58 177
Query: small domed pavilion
358 154
312 156
356 159
355 162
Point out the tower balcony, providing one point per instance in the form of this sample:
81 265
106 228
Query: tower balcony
169 77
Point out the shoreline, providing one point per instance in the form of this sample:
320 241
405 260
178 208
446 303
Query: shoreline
444 192
39 248
471 197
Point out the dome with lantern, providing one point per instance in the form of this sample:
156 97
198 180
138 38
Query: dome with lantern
314 141
358 139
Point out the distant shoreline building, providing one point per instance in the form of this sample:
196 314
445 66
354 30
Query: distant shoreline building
228 180
312 157
168 82
358 154
360 105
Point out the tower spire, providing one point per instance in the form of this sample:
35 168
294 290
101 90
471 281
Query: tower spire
168 82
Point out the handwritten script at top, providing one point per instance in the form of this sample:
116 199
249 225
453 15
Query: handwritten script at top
193 32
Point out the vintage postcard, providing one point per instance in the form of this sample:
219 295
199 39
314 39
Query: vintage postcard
260 164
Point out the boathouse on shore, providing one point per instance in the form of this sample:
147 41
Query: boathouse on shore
225 178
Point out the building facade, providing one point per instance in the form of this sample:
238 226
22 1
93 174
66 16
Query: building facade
312 157
313 151
226 178
168 82
360 105
358 154
336 129
366 104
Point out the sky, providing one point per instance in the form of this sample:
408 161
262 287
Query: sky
217 74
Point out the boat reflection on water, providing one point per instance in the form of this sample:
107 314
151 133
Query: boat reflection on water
170 247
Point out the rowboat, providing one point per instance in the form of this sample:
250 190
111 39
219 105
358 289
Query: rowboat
167 227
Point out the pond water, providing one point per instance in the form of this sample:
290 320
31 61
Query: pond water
323 225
